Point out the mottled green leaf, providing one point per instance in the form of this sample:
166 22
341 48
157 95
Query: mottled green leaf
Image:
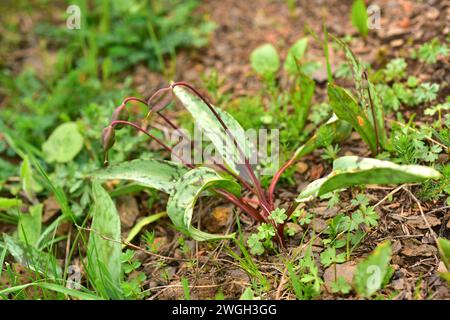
351 170
265 60
104 250
157 174
346 108
213 129
373 273
362 86
64 143
183 197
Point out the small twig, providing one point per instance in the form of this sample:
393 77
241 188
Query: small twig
433 234
388 195
439 209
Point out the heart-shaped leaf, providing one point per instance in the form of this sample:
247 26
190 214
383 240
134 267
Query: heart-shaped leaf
185 193
63 144
265 60
157 174
351 170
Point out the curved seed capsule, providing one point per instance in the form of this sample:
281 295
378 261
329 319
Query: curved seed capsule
108 138
120 113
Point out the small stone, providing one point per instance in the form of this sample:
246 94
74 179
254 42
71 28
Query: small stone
219 218
423 250
51 207
302 167
432 13
319 225
419 222
398 284
128 210
397 43
345 270
294 227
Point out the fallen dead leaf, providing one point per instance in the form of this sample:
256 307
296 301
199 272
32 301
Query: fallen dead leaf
51 207
418 222
128 210
219 218
423 250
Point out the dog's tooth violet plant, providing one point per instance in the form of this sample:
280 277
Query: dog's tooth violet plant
235 177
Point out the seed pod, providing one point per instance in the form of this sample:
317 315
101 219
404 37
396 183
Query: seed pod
121 113
108 138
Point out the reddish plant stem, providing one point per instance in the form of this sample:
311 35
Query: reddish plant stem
256 183
244 207
162 144
277 177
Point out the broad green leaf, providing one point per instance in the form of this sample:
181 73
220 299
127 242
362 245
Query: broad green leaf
104 250
157 174
352 170
346 108
374 272
29 228
33 259
295 56
7 203
64 143
180 206
359 17
213 129
264 60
